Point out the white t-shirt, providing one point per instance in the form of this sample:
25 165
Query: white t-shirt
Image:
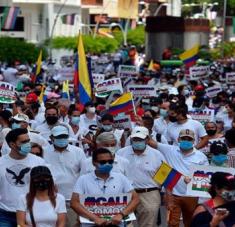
43 219
142 167
86 123
173 130
10 76
65 167
182 163
14 179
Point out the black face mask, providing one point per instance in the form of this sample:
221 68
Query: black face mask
51 120
41 185
211 132
172 118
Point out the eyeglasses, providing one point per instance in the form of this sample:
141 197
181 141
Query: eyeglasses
103 162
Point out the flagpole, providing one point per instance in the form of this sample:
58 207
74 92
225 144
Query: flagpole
133 104
53 27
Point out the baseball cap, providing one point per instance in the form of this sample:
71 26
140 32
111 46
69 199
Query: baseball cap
21 117
140 132
59 130
187 133
31 98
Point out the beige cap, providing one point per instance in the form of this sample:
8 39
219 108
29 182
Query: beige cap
187 133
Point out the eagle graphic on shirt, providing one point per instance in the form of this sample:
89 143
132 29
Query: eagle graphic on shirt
18 175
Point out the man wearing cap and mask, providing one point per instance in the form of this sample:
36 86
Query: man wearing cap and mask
144 162
107 140
181 158
15 173
22 121
66 161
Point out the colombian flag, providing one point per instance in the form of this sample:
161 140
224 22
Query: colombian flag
189 57
42 97
85 83
65 90
122 105
167 176
38 67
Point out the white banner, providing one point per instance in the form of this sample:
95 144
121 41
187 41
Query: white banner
142 90
122 122
200 179
203 116
211 92
7 93
109 86
198 72
126 71
105 205
230 78
97 78
66 73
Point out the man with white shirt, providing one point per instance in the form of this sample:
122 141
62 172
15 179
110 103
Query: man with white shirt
15 174
107 140
178 115
21 120
65 163
144 161
230 141
52 119
182 158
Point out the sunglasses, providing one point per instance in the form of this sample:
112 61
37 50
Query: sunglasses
103 162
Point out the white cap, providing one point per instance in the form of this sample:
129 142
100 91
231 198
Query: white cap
140 132
21 117
59 130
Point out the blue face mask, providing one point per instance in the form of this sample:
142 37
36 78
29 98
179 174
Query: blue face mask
163 113
186 145
219 160
139 146
15 125
107 128
75 120
61 143
105 168
25 148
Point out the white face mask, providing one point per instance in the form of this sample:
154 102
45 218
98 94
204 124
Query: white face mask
91 109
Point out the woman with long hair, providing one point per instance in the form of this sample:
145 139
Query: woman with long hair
41 206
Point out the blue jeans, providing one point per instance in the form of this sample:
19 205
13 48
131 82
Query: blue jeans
7 219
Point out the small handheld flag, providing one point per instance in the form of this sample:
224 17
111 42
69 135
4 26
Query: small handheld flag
189 57
167 176
122 105
39 63
65 90
150 67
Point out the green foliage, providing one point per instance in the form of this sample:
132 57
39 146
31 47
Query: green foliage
227 47
92 45
136 36
12 49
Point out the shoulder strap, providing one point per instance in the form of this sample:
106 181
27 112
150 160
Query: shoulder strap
158 137
32 218
212 212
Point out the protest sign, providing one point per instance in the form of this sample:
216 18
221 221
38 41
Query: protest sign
105 206
122 122
97 78
203 116
125 71
230 78
7 93
200 179
198 72
142 90
211 92
108 86
66 73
